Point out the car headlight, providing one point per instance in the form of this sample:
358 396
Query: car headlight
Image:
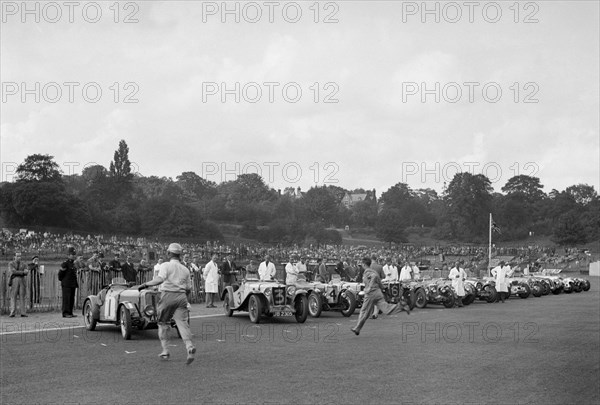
291 290
149 310
318 291
268 292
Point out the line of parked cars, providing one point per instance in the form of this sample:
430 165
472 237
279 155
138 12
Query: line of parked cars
123 305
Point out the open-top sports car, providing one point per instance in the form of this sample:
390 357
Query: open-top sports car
123 305
428 291
470 291
484 290
268 298
332 296
399 292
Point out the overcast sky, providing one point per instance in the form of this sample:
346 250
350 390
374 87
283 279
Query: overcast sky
367 114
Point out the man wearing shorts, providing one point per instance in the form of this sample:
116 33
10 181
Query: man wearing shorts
175 283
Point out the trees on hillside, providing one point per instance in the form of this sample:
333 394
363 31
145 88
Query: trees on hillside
115 200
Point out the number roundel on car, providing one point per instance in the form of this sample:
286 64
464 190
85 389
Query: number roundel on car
279 296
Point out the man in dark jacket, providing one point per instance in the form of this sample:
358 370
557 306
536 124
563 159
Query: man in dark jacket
228 269
129 272
68 281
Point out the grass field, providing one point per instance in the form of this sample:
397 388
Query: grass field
538 350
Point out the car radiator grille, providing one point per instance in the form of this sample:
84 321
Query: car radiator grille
279 295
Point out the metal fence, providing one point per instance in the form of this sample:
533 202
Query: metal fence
44 293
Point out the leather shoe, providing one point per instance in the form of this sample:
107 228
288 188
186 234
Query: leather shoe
164 356
73 316
190 356
356 331
23 316
11 316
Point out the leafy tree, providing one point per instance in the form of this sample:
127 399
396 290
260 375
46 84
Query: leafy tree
39 167
468 199
527 186
583 194
120 166
319 205
390 226
195 187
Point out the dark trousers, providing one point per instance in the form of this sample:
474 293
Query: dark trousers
68 300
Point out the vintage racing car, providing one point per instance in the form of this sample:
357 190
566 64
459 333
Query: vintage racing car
484 290
332 296
122 305
268 298
396 292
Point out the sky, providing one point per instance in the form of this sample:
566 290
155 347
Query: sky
358 94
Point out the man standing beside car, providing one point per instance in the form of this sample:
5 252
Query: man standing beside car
211 281
291 271
68 281
267 270
175 283
129 272
458 275
501 273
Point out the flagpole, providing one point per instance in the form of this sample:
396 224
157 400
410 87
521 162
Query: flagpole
490 247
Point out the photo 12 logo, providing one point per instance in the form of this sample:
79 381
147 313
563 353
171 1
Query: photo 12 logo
270 92
271 172
471 92
470 11
270 11
445 172
53 12
70 92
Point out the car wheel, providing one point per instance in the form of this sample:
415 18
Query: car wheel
226 307
254 308
526 293
468 300
577 287
126 325
349 303
409 297
449 300
420 298
315 304
537 289
546 289
586 285
301 307
88 316
557 291
492 294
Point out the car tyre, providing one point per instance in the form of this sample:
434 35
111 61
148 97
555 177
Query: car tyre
526 293
301 307
88 316
254 308
537 289
226 307
586 285
546 288
449 300
420 298
349 303
492 294
126 325
315 304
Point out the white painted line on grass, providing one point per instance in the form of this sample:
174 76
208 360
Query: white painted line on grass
76 326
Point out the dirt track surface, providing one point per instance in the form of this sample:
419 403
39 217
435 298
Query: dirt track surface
538 350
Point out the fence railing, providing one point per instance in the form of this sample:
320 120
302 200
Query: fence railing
44 293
